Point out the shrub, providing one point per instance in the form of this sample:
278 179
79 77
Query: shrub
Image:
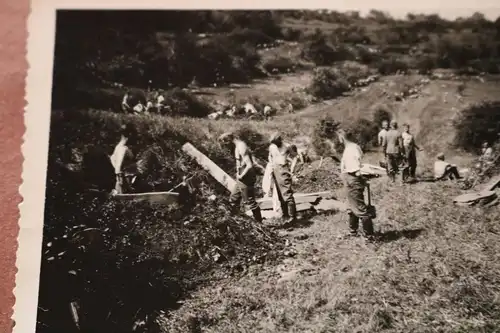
292 34
318 50
280 64
392 66
425 65
477 124
250 36
381 114
328 83
182 103
363 132
323 132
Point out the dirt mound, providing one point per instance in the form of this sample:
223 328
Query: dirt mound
139 259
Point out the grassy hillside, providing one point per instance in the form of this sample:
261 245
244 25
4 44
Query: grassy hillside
199 268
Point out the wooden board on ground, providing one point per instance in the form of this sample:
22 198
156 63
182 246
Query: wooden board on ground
324 195
162 198
492 184
268 204
474 198
268 214
220 175
331 205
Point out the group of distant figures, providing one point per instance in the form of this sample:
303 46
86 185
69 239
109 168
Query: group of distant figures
153 101
400 153
249 111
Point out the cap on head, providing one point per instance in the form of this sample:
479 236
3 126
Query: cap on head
393 122
275 137
226 137
440 156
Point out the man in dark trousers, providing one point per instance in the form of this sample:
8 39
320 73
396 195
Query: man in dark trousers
246 175
354 184
393 147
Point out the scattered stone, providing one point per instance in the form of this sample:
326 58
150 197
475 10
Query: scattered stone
302 237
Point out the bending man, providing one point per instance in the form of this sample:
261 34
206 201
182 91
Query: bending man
246 175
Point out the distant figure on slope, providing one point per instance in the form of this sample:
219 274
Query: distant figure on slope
283 160
123 160
246 175
410 154
125 106
354 183
267 112
487 157
393 148
444 170
134 101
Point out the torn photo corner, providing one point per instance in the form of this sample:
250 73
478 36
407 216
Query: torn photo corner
132 218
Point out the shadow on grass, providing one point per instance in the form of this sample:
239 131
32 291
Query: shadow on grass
298 224
394 235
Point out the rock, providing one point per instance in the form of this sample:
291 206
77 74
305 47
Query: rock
302 237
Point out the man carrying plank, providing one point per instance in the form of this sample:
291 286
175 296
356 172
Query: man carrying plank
246 175
354 183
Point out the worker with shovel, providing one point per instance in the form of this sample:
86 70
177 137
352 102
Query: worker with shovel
354 184
246 175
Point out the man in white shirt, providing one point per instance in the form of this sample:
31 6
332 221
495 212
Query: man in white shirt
383 131
354 184
282 159
444 170
246 175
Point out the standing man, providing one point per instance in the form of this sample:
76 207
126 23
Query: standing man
246 175
282 160
410 148
393 147
124 160
381 136
354 184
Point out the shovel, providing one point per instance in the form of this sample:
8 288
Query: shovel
371 209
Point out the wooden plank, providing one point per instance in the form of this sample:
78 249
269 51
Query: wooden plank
264 205
268 214
331 204
220 175
492 184
163 198
297 196
474 198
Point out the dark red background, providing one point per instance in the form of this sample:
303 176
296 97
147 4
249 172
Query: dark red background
13 65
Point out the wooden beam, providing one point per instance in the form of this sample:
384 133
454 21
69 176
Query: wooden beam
492 184
215 171
297 196
268 214
163 198
474 198
264 205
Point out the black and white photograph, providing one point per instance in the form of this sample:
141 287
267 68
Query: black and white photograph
299 170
